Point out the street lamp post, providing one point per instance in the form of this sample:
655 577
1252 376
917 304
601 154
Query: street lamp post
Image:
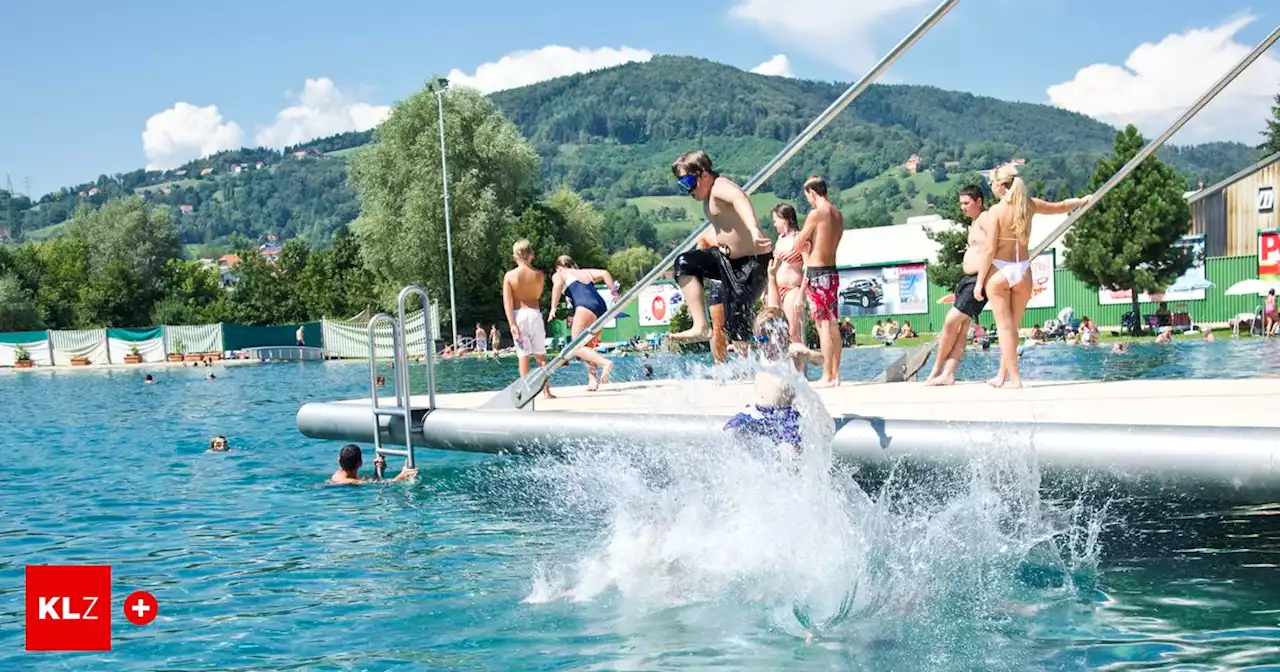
439 86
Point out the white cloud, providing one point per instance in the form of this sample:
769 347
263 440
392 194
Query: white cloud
1158 81
839 31
185 132
322 110
520 68
778 66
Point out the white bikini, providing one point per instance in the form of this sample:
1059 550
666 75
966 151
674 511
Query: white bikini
1013 271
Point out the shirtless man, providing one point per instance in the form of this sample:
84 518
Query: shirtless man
966 307
350 459
521 292
740 261
823 228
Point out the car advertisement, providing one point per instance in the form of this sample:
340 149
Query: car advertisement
883 290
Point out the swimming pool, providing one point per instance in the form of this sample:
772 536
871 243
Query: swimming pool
647 557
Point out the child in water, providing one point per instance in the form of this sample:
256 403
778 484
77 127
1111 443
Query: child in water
772 416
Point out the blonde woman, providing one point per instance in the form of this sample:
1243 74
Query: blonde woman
1005 278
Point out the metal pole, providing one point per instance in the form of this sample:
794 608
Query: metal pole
448 230
908 364
522 391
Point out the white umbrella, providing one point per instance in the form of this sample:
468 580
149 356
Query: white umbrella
1189 285
1253 286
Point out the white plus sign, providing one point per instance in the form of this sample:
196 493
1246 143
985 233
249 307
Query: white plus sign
140 608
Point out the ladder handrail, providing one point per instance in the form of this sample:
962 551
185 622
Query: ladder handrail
400 371
373 355
428 341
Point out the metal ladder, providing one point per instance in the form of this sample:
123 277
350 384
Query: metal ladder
404 408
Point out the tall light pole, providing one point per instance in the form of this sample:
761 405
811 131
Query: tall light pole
439 86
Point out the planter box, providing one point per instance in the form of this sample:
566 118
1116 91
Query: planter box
25 364
79 361
133 359
215 356
175 357
194 357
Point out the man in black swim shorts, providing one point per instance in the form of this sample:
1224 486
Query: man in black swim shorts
740 258
966 307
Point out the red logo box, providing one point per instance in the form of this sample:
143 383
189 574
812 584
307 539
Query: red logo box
68 608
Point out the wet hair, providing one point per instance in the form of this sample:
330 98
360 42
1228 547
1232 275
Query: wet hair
523 249
817 184
692 163
784 211
1017 197
973 191
350 458
150 378
217 438
565 261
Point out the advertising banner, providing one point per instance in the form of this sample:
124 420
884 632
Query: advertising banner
1269 255
1189 286
883 290
657 304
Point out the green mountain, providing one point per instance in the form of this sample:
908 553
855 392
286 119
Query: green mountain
611 135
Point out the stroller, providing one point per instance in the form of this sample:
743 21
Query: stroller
1064 325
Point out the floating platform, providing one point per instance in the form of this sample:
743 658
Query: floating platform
285 353
1220 435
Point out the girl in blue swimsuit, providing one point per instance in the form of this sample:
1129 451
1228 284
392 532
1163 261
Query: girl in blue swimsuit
579 286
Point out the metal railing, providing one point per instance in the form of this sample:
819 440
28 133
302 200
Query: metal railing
404 408
910 363
520 393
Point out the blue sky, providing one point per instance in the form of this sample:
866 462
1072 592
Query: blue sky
82 79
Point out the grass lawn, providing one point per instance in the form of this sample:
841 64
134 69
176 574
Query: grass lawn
346 152
763 203
853 196
173 184
41 235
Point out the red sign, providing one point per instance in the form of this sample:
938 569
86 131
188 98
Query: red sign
659 307
68 607
1269 255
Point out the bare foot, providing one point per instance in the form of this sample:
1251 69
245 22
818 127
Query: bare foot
690 335
998 381
604 372
1015 383
547 394
835 382
940 381
592 385
822 382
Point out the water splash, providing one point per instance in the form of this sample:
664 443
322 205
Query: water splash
730 522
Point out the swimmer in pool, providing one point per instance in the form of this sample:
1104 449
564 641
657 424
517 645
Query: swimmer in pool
218 444
148 380
350 459
772 416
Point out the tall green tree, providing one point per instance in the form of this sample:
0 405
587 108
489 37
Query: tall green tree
1271 134
193 294
492 175
18 310
629 265
583 223
128 244
1127 240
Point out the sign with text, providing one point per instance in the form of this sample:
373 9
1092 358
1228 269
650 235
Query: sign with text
1266 199
1269 255
1190 286
657 304
68 607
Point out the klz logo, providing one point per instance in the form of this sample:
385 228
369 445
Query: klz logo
1266 199
68 608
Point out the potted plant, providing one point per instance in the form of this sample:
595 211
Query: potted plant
133 357
22 358
175 355
79 361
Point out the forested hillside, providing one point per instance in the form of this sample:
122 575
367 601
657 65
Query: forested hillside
611 135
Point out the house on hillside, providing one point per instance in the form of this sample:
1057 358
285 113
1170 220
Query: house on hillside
269 253
259 165
5 234
308 153
228 260
179 173
206 172
951 165
237 168
95 191
912 164
166 190
186 209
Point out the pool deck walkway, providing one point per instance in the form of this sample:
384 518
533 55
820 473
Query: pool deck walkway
1198 403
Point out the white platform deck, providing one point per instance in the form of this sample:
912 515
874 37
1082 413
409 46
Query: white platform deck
1198 403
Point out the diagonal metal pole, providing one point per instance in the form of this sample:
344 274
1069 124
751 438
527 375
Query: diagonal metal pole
910 363
522 391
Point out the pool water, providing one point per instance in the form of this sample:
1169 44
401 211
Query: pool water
622 557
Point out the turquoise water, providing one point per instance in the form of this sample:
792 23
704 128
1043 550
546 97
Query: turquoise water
625 557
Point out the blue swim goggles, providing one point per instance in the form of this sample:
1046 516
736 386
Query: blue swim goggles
689 182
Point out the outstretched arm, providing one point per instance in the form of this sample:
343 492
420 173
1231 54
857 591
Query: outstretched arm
557 290
805 237
1057 208
602 275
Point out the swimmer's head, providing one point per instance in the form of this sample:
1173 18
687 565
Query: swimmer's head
218 444
148 379
522 250
694 173
772 332
350 458
815 187
565 261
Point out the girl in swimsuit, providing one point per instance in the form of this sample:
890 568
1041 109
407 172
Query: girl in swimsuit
1007 282
786 277
579 285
